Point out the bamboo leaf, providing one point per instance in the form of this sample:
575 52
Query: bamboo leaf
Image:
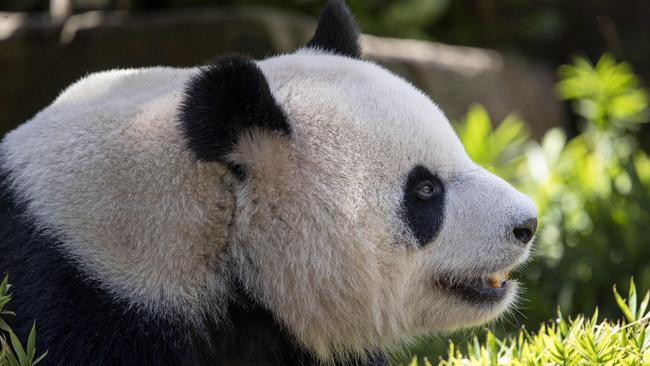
31 344
644 305
18 349
623 306
39 359
4 285
631 299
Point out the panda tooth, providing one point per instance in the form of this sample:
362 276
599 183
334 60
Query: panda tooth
496 280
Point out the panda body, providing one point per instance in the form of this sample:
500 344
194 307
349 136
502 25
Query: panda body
308 208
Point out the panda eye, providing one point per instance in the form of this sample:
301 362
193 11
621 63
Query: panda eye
426 190
423 204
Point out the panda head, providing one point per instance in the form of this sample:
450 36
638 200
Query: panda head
360 220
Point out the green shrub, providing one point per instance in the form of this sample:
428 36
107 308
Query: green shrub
12 352
568 341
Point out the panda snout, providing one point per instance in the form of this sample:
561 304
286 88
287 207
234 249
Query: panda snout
524 231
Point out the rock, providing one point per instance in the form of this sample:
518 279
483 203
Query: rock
38 59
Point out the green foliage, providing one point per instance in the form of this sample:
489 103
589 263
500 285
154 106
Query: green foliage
425 362
498 150
567 341
12 352
605 94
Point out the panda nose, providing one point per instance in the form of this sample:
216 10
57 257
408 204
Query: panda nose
524 231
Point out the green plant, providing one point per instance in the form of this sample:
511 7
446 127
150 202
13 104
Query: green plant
496 149
607 94
13 353
568 341
593 191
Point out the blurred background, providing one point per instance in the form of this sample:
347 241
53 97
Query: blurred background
549 94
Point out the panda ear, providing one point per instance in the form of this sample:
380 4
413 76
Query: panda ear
224 100
337 31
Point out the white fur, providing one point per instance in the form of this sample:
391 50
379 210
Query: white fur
105 168
314 232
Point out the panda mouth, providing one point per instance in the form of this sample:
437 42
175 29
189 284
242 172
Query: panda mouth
479 290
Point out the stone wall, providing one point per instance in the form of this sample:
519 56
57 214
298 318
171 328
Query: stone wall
38 58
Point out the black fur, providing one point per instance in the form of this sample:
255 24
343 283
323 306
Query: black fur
76 321
224 100
423 217
80 324
337 31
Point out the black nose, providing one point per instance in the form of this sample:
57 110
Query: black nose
524 232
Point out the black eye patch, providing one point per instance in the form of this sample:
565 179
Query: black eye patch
423 204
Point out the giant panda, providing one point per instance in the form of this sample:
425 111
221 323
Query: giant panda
310 208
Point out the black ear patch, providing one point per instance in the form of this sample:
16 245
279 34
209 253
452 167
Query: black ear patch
423 213
337 31
224 100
